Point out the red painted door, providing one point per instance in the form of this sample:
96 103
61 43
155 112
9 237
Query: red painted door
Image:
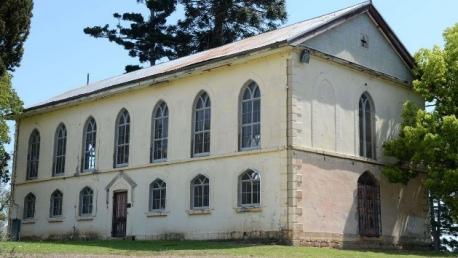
119 214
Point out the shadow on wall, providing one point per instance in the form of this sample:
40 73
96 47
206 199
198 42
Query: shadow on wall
334 113
330 214
388 130
403 218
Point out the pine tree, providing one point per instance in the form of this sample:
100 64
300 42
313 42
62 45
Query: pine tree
443 227
15 16
207 24
210 24
150 39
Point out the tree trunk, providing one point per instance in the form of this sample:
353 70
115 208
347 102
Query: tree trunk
435 222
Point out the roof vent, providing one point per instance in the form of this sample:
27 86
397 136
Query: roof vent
305 56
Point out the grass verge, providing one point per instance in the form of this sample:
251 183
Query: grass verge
192 248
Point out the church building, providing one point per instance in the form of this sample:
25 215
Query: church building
277 136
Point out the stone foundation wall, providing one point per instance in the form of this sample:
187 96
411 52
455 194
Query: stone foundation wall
352 241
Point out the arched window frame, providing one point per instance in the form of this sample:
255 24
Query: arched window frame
89 145
122 139
369 206
60 149
201 125
29 206
250 117
55 206
33 155
249 189
159 132
158 195
200 193
86 201
366 125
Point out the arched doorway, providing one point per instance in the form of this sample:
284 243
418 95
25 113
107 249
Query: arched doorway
369 205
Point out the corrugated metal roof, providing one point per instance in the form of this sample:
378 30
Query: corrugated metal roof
285 34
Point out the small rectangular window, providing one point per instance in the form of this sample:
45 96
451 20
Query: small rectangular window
364 40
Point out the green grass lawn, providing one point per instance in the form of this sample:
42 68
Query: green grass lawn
192 248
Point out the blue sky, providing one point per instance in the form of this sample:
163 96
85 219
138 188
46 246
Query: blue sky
58 55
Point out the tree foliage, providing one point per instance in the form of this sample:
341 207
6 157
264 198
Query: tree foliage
149 39
443 226
15 16
10 104
210 24
207 24
428 140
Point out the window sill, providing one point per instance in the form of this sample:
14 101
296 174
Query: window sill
200 155
250 148
158 213
85 218
31 178
158 161
90 171
121 165
199 211
28 221
59 175
248 209
55 219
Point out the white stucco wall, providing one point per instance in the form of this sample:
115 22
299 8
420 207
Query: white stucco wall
223 220
222 166
344 42
325 97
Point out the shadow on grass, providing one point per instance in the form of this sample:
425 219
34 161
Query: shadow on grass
422 253
158 245
219 248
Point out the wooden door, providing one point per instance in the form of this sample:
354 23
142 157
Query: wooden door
119 214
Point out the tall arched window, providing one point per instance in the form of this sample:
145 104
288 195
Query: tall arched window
33 155
200 192
369 205
55 208
249 189
158 191
250 117
201 125
160 129
122 139
60 147
29 206
366 127
86 201
89 142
